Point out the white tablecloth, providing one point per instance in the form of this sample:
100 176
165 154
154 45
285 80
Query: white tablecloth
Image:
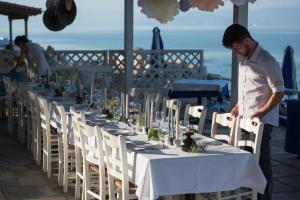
198 85
158 172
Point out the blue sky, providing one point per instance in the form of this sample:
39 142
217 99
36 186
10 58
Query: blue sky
103 15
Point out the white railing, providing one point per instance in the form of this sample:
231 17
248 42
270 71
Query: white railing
152 68
73 58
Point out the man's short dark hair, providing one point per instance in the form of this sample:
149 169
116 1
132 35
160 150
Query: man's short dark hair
21 38
234 33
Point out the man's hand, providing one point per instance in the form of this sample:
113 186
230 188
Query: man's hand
272 102
235 111
259 114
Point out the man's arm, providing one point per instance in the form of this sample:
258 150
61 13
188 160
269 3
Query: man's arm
18 60
235 111
271 103
272 72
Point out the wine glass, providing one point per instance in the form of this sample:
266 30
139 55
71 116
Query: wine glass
159 117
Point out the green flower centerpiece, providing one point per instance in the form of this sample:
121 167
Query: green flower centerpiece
189 145
153 135
111 109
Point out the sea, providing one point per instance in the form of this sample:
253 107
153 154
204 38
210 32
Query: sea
217 59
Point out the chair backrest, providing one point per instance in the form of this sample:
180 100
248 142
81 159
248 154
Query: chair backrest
60 118
76 116
196 112
227 122
92 151
43 107
152 102
252 126
172 113
116 158
32 99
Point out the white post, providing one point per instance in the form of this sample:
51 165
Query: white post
240 16
128 45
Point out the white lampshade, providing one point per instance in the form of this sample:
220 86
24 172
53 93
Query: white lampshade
161 10
207 5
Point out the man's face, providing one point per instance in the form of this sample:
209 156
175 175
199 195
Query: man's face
241 48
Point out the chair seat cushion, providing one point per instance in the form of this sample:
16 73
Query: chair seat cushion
95 168
132 187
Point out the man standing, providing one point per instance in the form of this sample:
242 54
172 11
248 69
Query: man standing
260 90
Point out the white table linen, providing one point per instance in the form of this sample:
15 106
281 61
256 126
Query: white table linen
198 85
158 172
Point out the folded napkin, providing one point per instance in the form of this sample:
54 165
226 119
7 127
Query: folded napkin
119 128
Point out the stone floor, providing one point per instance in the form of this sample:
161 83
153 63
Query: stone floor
21 178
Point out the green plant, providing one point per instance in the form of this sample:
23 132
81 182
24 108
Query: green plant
112 104
141 120
199 148
153 135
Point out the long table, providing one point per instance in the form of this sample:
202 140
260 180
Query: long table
159 171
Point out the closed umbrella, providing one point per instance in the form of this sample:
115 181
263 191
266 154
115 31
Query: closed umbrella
289 69
157 44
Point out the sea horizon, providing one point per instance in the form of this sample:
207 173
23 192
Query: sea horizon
217 59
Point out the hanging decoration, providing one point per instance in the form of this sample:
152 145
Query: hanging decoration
165 10
207 5
185 5
162 10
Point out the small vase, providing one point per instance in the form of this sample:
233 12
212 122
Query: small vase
176 142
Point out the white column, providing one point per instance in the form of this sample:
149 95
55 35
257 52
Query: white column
240 16
128 43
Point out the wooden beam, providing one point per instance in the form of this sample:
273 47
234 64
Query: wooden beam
240 16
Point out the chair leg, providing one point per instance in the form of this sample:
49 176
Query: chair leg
29 131
254 195
60 162
65 176
49 162
87 180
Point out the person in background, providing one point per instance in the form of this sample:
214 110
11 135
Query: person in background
260 89
37 65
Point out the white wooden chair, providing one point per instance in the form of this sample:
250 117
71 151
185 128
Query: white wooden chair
35 115
227 130
66 151
93 161
50 141
27 103
254 127
197 112
152 102
78 151
172 113
9 89
118 167
21 115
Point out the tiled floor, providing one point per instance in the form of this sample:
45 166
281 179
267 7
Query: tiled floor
21 178
286 169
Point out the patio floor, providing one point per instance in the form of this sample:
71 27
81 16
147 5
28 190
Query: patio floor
21 178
